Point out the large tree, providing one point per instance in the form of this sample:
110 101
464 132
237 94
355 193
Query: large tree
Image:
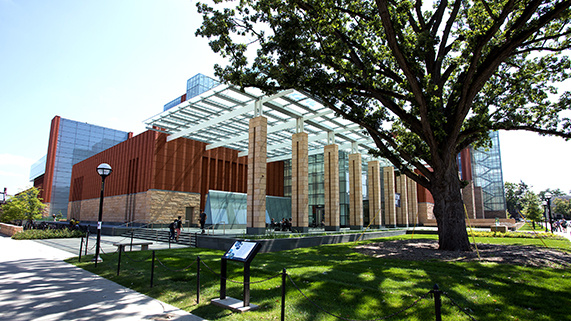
23 206
424 80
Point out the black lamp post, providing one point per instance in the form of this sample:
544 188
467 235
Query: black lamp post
548 198
103 170
544 203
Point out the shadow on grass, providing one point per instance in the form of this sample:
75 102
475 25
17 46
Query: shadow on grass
350 285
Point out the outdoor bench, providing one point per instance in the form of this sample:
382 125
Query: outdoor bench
144 245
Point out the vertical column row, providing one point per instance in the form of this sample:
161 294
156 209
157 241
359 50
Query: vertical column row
299 183
257 157
356 192
389 187
331 178
374 186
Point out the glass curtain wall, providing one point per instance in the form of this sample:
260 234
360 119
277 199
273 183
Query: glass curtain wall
487 173
76 142
230 209
317 188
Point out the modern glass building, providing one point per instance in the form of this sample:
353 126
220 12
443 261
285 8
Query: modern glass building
195 86
70 142
487 173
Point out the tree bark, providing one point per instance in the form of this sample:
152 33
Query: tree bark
449 209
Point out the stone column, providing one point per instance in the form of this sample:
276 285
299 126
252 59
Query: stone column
299 183
331 173
389 187
412 202
257 150
402 211
374 191
355 192
469 199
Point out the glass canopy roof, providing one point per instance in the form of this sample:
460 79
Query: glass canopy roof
220 116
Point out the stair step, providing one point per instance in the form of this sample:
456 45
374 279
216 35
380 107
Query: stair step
160 235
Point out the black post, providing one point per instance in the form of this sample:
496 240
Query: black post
152 268
223 269
131 248
284 274
550 214
169 242
99 220
119 259
80 249
197 279
247 284
86 240
437 302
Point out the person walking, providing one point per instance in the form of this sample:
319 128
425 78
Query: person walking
172 226
178 227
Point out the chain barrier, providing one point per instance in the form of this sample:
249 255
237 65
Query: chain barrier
238 282
132 259
347 319
458 306
173 270
102 251
343 318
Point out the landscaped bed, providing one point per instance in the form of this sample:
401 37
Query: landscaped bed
367 280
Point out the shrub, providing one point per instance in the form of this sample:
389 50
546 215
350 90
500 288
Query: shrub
516 235
47 234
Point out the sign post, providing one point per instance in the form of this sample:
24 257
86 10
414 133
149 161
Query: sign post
241 251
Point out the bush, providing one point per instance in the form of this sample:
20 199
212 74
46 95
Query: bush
47 234
515 235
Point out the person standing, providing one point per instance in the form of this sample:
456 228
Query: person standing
202 221
172 226
178 227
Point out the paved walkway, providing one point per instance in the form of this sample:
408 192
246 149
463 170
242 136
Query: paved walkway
36 284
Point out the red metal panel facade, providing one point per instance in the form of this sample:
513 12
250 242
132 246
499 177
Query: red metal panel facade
148 161
46 194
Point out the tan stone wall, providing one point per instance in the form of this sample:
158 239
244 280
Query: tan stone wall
412 202
115 208
402 211
9 229
389 191
355 190
425 212
479 202
331 170
374 190
156 206
299 181
257 172
469 199
165 206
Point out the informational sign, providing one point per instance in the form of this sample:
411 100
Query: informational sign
242 251
397 199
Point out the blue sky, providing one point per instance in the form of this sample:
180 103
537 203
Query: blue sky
116 63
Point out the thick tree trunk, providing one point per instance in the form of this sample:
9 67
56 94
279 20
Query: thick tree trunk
449 210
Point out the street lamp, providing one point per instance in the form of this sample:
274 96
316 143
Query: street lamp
544 203
103 170
548 197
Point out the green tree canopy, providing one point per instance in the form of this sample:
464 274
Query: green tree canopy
514 197
424 79
532 208
562 207
23 206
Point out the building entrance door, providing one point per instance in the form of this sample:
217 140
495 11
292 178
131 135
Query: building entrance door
189 219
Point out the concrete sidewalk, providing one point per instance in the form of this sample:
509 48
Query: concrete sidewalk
35 284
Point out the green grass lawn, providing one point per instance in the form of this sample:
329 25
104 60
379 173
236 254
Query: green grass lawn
351 285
